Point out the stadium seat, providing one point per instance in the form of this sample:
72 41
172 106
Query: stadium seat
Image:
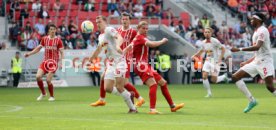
62 14
32 14
73 13
186 18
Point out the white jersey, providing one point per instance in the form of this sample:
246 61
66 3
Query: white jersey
107 41
262 34
211 48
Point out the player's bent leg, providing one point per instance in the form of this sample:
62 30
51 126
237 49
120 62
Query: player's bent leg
39 80
50 86
206 84
237 78
101 101
128 97
165 91
152 95
269 85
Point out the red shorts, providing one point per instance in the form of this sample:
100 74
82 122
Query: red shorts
49 66
145 71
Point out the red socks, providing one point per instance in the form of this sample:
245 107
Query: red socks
166 94
102 91
41 87
51 89
129 87
152 96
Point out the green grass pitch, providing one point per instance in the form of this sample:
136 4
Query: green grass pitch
19 110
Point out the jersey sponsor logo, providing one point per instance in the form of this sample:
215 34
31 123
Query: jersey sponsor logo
51 47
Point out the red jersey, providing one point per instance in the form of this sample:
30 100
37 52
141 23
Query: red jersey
140 50
52 47
128 35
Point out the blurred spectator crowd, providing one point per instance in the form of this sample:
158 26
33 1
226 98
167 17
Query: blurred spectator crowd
238 35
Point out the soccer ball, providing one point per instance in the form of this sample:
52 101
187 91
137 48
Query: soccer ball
87 26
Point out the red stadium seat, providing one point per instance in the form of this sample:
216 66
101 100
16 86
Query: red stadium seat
73 13
52 13
104 7
17 15
104 13
186 18
32 14
62 14
134 21
165 22
74 7
83 15
65 1
8 8
114 21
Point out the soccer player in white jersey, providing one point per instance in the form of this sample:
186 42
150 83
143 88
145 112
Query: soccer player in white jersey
211 46
116 67
261 63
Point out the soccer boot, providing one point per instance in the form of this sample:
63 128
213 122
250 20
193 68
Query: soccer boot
98 103
250 106
177 107
140 102
40 97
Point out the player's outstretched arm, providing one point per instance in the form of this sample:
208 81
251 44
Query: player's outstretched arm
95 53
36 50
197 54
119 40
154 44
128 48
251 48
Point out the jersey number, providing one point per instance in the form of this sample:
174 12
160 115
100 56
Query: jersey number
265 71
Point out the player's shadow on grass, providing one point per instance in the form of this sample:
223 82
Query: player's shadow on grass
264 114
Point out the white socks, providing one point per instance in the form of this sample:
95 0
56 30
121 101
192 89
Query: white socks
241 85
206 85
221 78
274 93
126 95
102 99
140 98
115 91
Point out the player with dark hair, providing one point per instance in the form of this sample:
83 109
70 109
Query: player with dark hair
52 57
261 63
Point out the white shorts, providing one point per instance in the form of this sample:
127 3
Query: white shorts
264 67
211 68
115 69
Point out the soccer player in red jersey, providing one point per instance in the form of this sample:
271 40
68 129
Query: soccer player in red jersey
53 52
142 68
128 35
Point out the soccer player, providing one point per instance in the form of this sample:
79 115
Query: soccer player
53 52
142 68
261 63
116 67
128 35
211 46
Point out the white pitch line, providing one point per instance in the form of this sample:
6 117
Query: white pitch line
146 122
13 108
